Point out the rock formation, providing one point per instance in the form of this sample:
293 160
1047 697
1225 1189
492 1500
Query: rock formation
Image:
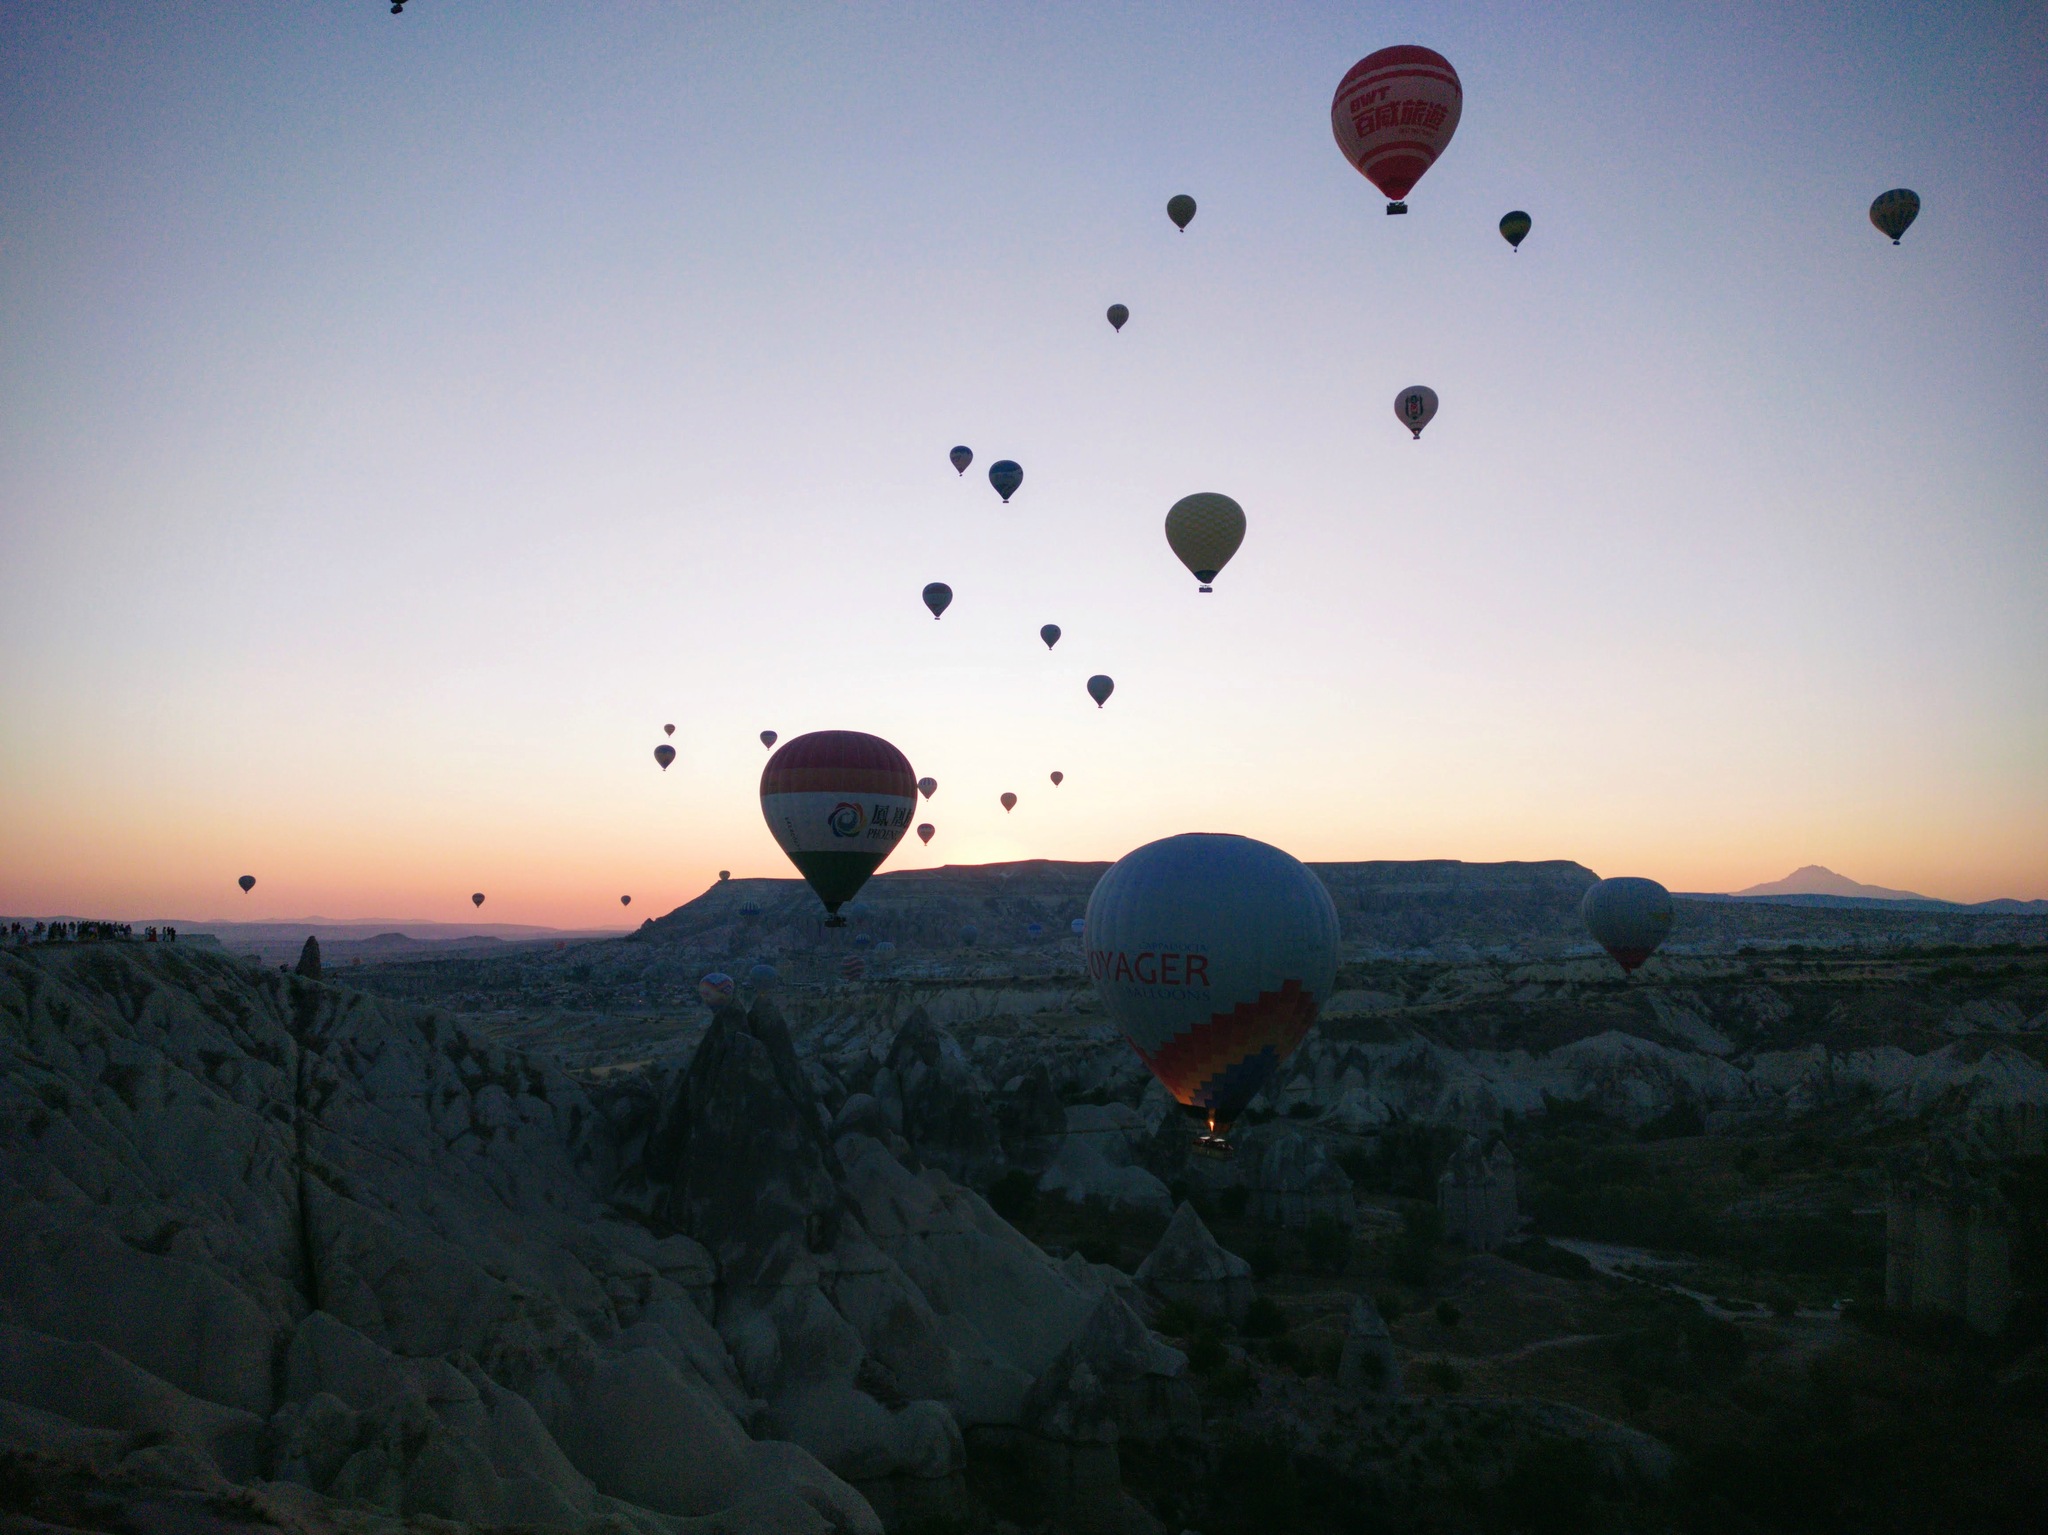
1948 1243
1367 1367
1190 1266
1476 1194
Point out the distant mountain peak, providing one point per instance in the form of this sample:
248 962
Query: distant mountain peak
1815 880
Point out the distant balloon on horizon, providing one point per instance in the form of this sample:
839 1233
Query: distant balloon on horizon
938 597
1099 689
1415 407
1514 228
768 738
1006 475
1630 918
1058 778
247 882
1118 314
925 832
961 457
668 730
1204 530
1181 209
477 899
1050 633
724 875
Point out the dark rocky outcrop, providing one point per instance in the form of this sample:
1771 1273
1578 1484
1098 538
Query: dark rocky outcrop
945 1107
1191 1267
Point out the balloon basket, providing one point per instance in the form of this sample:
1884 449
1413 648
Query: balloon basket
1213 1146
835 921
1397 208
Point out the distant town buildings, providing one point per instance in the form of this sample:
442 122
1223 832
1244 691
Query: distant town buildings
1477 1196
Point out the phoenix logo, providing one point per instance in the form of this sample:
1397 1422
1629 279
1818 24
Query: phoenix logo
847 819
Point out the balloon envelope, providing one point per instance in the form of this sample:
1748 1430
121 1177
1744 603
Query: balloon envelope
1894 211
664 754
724 875
838 801
247 882
477 899
969 933
925 832
625 900
927 787
1212 953
767 738
763 977
1415 407
852 968
1393 114
1058 778
1514 227
1006 475
715 990
1079 925
1628 918
1099 689
668 730
1204 530
1035 929
1009 801
938 597
961 456
1050 633
1117 315
1181 210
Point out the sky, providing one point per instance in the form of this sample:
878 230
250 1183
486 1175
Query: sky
402 418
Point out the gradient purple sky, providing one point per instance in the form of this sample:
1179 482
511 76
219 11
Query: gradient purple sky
402 418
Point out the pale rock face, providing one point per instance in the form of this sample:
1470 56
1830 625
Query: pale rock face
946 1113
1190 1266
1367 1366
1096 1163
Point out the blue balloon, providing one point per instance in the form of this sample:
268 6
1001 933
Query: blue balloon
1006 475
1080 926
1213 954
763 977
1034 928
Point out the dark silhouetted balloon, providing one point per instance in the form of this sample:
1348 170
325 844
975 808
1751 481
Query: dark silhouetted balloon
625 900
1181 209
1117 315
668 730
969 933
1203 531
715 990
1058 778
767 738
925 832
838 801
1099 689
247 882
1212 953
1628 918
852 968
764 977
477 899
961 456
1415 407
1050 633
724 875
927 787
1393 114
1034 929
1009 801
1514 227
938 597
664 754
1894 212
1006 475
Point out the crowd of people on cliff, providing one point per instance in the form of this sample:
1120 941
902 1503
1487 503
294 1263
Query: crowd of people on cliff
86 932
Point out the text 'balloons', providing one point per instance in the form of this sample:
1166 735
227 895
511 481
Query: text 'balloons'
927 787
1893 212
1006 475
1050 633
1393 114
1181 209
664 754
1204 531
838 802
1118 314
768 738
961 457
925 832
1515 227
1628 918
247 882
1009 802
1099 689
1415 407
938 597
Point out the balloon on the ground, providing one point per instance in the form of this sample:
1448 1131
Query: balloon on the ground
1894 211
715 990
862 941
247 882
1035 929
1204 530
1415 406
1181 210
1514 227
1117 315
1058 778
838 801
927 787
477 899
1006 475
763 977
1050 633
767 738
961 456
1212 953
1009 802
1099 689
1080 925
925 832
1393 114
724 875
938 597
664 754
750 908
1628 918
625 900
668 730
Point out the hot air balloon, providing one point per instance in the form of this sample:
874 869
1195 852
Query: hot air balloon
938 597
1393 114
1058 778
247 882
664 754
838 801
1009 802
925 832
927 787
1514 228
724 875
1099 689
1079 925
852 968
668 730
1628 918
715 990
1204 530
1034 929
750 908
1212 954
1117 315
477 899
961 456
1006 475
969 933
768 738
862 941
1181 209
1414 407
763 977
1894 212
1050 633
625 900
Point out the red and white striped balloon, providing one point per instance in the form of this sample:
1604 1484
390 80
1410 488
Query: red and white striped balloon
1394 113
